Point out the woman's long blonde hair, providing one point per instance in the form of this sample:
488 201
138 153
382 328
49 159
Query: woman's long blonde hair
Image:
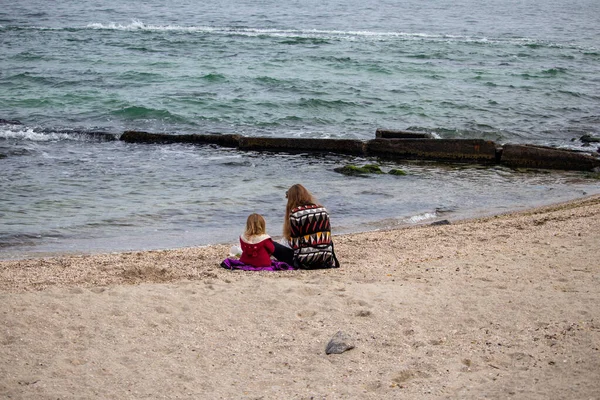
255 225
297 195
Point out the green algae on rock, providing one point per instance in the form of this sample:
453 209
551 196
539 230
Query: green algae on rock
397 172
353 170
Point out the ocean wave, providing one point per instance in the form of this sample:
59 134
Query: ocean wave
544 74
330 104
136 112
30 77
31 134
321 36
415 219
315 36
214 77
136 76
470 131
554 71
19 132
8 239
305 40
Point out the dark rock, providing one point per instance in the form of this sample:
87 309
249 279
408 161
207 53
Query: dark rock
224 140
589 139
353 170
397 172
372 168
441 150
10 122
593 175
295 145
462 150
339 343
529 156
442 222
391 134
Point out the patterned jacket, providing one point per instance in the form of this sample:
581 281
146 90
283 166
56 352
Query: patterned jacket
311 237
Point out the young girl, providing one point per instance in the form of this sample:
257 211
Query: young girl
256 245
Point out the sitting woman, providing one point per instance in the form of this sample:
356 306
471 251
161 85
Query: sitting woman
307 229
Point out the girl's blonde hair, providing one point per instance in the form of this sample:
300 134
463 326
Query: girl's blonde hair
255 225
297 195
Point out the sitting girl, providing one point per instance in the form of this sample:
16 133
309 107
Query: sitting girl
256 245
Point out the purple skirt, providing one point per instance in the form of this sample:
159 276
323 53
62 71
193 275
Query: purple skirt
232 263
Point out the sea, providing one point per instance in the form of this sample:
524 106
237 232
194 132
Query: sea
75 74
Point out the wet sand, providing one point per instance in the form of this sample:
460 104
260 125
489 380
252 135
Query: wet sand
501 307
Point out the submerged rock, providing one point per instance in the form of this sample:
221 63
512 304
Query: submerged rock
396 134
339 343
301 145
404 145
593 175
529 156
10 122
353 170
223 140
589 139
460 150
397 172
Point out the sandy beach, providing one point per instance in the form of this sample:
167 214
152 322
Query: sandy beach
502 307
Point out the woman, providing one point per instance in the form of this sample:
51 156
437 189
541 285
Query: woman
307 229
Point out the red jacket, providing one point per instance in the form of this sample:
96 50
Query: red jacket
256 250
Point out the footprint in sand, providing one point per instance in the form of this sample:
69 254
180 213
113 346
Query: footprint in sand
403 376
306 314
161 310
308 291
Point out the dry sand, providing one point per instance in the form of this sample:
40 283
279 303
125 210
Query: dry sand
501 307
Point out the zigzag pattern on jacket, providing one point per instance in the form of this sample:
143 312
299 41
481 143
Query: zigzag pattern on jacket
310 226
311 236
315 257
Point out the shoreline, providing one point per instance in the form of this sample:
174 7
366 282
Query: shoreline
380 225
493 307
125 268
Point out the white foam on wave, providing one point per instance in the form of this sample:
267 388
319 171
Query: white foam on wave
21 133
137 25
415 219
310 33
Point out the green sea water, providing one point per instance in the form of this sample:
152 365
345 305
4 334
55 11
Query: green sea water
509 71
512 71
